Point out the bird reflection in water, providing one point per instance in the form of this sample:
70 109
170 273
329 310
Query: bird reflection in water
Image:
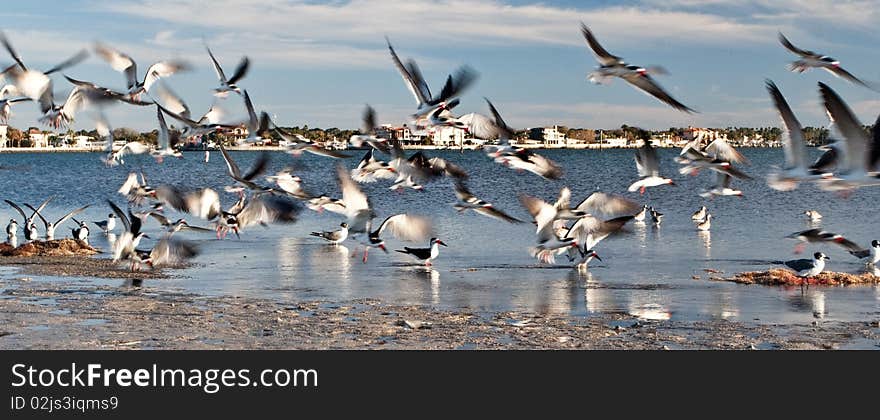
706 238
809 300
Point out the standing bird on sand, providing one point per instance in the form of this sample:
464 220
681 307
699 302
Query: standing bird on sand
656 216
82 232
808 268
810 59
335 237
648 166
640 216
611 66
424 254
51 226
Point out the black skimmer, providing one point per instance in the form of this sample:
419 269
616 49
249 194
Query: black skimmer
656 216
821 236
648 167
424 254
639 77
12 233
705 224
260 209
166 141
228 85
297 144
290 184
871 255
640 216
468 201
51 226
123 63
178 225
861 154
108 225
203 203
810 59
125 245
402 226
417 170
700 214
80 233
30 228
167 252
412 77
323 202
808 268
813 215
603 215
335 237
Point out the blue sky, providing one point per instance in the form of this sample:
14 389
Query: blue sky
318 63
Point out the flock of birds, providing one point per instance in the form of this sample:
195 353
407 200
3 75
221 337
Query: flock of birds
561 229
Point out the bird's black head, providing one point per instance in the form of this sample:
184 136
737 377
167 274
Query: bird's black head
875 243
820 257
111 216
344 225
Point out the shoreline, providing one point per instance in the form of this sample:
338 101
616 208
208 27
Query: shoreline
15 150
83 314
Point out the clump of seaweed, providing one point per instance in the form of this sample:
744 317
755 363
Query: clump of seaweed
781 277
54 248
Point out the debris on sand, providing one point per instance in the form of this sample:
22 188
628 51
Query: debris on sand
54 248
780 277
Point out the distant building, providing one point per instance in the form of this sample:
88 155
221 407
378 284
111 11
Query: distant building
3 138
615 142
549 137
38 138
448 136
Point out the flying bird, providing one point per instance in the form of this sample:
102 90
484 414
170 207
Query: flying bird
611 66
809 59
228 85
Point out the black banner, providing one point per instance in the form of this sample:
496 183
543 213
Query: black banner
103 384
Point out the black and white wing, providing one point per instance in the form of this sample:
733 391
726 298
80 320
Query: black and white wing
795 147
602 56
647 84
406 227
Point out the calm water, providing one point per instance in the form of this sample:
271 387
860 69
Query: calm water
646 271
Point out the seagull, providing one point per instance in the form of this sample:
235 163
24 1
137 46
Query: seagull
649 169
813 215
31 83
700 214
722 187
468 201
412 77
298 144
861 154
821 236
178 225
872 255
548 240
808 268
368 133
6 108
794 146
121 62
228 85
203 203
290 184
370 169
611 66
424 254
102 127
605 215
810 59
50 226
166 140
245 181
705 224
135 188
108 225
335 237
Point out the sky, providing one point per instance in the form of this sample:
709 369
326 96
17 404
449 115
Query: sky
318 63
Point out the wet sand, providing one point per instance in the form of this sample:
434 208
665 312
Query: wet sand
82 315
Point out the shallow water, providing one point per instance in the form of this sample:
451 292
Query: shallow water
646 271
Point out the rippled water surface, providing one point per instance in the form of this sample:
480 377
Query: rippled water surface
646 271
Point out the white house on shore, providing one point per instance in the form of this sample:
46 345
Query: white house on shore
549 137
